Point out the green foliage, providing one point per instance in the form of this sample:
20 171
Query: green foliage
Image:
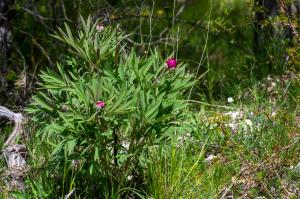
174 170
145 142
95 148
91 46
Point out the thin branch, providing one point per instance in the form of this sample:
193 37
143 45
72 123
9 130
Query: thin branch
40 17
159 18
69 194
17 118
211 105
42 49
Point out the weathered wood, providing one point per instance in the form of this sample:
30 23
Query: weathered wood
14 154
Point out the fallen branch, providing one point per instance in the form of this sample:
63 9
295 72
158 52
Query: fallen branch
14 154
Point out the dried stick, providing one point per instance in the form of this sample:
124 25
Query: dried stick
17 118
14 154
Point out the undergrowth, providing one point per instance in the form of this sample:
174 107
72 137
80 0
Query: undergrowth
111 122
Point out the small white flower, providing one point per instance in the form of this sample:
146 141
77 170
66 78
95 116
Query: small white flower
230 100
129 177
273 84
125 144
235 115
233 126
273 114
75 164
248 122
273 189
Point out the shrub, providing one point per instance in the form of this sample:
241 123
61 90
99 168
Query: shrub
103 108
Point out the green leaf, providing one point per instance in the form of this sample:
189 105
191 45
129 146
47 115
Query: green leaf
146 65
58 148
40 101
122 97
70 146
142 100
68 122
121 72
91 169
107 133
96 154
153 108
86 150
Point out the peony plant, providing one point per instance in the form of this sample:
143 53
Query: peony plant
104 106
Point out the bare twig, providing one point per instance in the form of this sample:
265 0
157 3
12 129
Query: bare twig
40 17
211 105
159 18
69 194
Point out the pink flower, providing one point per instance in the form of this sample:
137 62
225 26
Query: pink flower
99 27
171 63
100 104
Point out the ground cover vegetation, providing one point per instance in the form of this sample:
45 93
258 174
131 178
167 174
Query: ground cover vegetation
153 99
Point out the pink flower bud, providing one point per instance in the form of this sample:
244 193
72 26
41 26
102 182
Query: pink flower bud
171 63
100 104
99 27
